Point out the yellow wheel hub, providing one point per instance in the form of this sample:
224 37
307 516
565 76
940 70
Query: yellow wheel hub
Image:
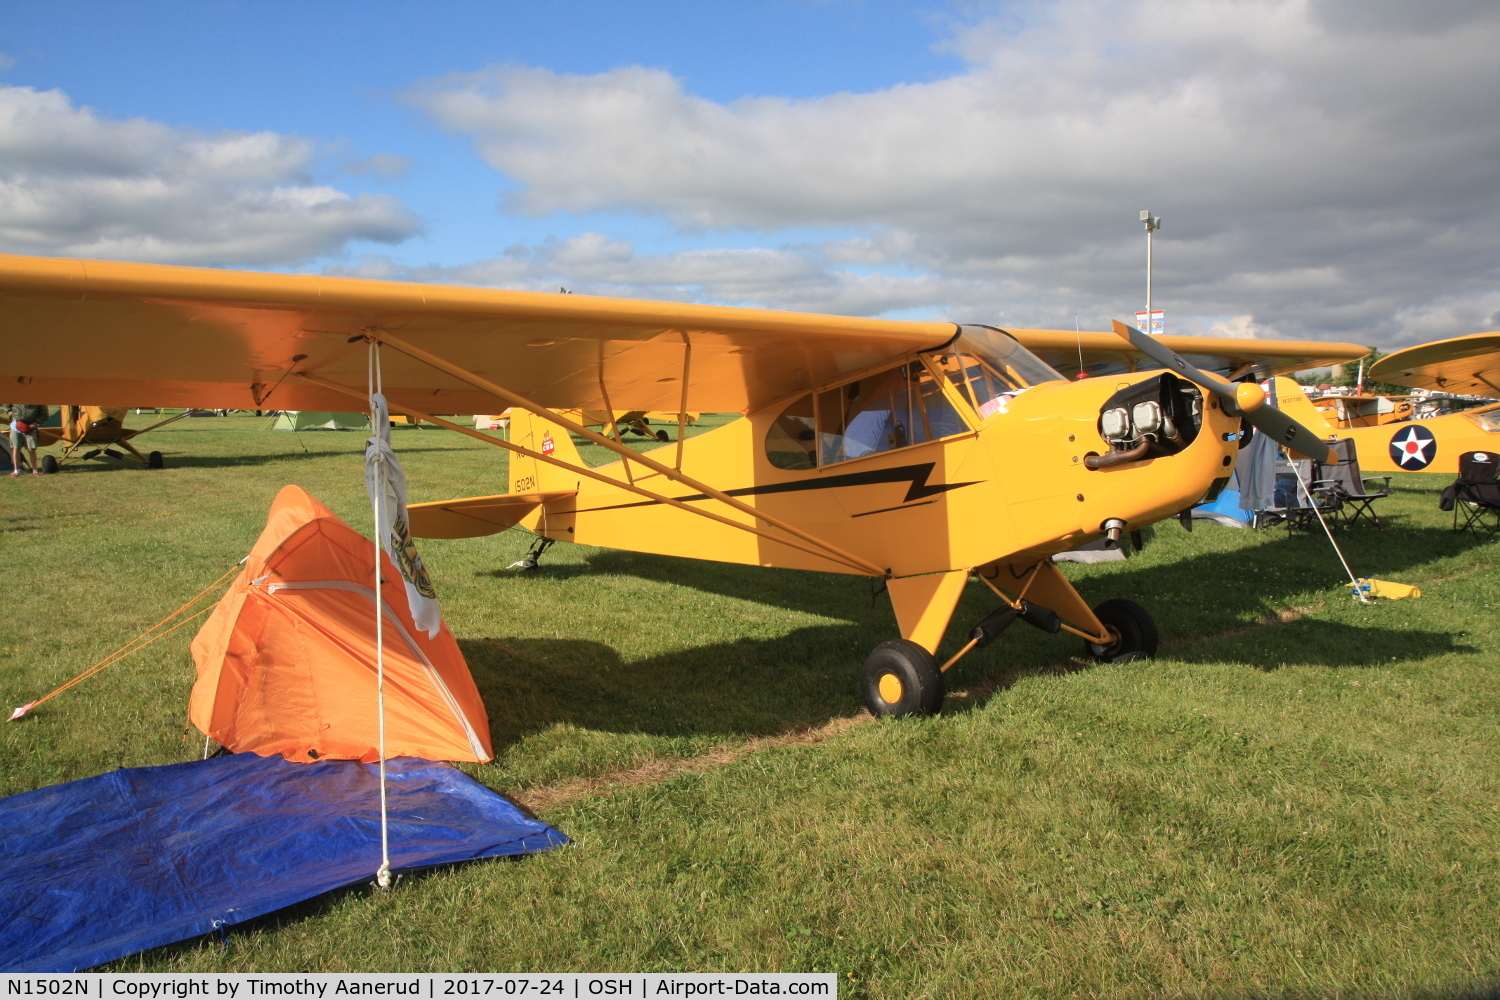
890 688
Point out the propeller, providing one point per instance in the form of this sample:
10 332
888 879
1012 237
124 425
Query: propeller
1244 398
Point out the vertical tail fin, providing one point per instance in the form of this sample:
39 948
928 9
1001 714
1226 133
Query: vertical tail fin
527 475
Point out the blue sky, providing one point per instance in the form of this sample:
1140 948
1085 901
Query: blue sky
335 72
1325 168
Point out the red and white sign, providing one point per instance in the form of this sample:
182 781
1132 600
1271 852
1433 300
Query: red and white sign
547 446
1158 322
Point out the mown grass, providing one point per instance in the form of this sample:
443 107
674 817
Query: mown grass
1299 797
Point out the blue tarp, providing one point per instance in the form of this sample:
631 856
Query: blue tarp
104 867
1226 510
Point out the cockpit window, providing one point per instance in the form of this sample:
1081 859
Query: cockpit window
980 385
906 405
893 409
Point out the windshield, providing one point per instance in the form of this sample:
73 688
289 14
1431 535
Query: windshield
1488 418
1005 356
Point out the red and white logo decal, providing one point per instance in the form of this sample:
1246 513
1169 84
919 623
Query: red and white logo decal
547 446
1413 447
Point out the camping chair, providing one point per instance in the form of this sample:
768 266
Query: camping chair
1352 490
1292 504
1475 494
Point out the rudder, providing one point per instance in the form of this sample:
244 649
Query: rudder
528 475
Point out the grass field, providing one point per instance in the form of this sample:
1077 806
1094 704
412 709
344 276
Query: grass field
1299 797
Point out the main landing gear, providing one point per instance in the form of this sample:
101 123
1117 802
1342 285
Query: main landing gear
902 677
1133 628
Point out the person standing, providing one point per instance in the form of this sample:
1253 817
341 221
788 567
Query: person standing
24 418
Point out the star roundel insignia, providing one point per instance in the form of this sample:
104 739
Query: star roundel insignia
1413 447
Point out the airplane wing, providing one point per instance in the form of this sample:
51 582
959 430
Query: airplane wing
1231 357
121 334
152 335
1468 365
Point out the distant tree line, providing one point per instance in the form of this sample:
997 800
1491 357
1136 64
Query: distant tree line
1348 377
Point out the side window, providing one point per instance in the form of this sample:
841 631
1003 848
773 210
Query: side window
791 442
902 406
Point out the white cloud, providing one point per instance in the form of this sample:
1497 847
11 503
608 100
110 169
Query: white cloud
75 183
1324 167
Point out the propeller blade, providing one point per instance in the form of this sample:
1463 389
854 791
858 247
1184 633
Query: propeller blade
1171 360
1282 429
1271 422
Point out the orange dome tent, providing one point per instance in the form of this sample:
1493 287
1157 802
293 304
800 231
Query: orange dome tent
286 662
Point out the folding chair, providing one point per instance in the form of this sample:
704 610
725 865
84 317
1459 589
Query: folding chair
1297 505
1348 486
1475 494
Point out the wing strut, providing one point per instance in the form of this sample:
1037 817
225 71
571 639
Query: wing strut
614 428
162 423
676 475
687 361
860 565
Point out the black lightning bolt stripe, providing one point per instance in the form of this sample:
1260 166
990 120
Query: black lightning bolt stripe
914 475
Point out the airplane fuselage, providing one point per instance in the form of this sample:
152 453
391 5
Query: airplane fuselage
1013 486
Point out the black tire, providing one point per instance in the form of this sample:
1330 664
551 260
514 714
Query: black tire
49 464
1135 628
661 435
155 461
901 678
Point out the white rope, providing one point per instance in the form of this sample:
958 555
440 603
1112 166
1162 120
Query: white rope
383 873
1313 502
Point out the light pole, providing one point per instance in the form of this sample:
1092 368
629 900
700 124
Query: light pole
1152 223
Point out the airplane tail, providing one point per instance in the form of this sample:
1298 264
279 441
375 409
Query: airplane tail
1291 400
527 475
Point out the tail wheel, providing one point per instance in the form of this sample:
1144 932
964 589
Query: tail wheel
901 678
1133 626
155 461
49 464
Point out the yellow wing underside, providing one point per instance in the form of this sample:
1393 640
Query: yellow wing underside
1466 365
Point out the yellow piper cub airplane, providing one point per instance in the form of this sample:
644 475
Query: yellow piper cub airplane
1469 365
921 453
97 428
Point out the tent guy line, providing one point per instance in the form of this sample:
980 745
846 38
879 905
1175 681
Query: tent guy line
135 645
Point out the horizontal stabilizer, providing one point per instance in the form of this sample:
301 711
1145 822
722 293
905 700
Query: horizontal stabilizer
470 517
